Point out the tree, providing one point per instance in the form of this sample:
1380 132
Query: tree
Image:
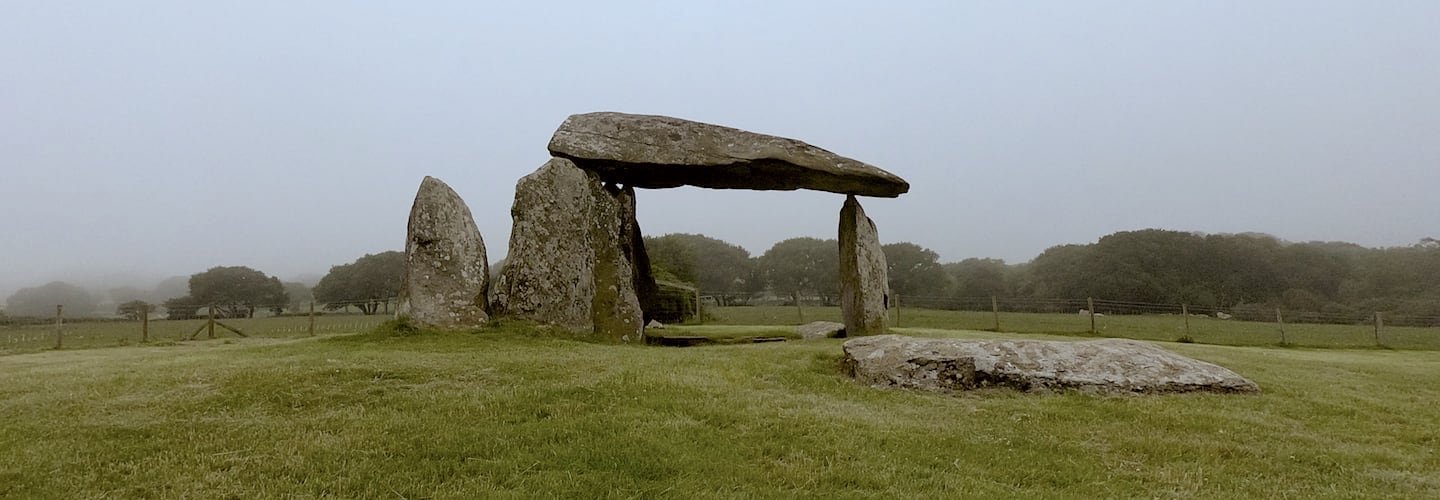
713 265
980 278
134 309
914 270
803 265
237 291
41 301
366 283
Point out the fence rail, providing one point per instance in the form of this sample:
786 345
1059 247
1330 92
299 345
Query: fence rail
1242 325
23 334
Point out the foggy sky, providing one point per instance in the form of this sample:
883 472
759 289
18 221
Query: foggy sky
140 140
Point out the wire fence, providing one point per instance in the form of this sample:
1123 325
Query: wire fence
1240 325
155 325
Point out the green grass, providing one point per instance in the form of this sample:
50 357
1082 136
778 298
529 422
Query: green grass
1143 327
504 413
31 338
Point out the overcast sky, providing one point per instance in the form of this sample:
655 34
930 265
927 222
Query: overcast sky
141 139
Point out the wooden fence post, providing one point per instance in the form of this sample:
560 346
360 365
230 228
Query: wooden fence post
1280 319
1379 324
59 326
699 318
210 323
995 309
1090 301
311 328
1185 311
144 324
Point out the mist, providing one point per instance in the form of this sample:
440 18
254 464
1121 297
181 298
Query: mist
143 140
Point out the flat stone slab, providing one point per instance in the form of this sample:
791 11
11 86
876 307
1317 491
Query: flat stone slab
820 330
651 151
1106 366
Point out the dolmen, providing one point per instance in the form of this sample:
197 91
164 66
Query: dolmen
577 258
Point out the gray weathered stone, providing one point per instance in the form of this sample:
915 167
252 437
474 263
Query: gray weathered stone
1099 366
567 266
446 272
864 285
660 152
821 330
615 311
647 291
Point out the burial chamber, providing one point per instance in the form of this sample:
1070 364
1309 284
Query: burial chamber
576 253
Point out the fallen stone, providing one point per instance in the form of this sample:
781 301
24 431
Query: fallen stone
662 152
655 325
567 266
821 330
864 285
1104 366
446 272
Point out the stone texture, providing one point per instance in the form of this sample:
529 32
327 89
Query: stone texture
821 330
615 309
1099 366
864 285
567 265
660 152
446 272
633 244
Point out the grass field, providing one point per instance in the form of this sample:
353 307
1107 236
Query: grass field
31 338
507 413
1144 327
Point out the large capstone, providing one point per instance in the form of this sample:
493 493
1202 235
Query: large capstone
1099 366
864 285
568 264
661 152
446 272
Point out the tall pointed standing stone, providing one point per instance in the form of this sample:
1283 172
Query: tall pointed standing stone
864 285
446 272
568 265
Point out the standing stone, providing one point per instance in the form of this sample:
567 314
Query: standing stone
615 310
567 265
633 241
446 272
864 286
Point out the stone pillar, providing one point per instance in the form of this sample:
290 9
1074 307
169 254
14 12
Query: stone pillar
447 276
864 284
568 265
646 290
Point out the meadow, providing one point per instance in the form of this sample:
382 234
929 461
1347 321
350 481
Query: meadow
513 412
22 338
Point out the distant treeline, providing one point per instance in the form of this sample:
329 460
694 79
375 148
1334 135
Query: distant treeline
1152 265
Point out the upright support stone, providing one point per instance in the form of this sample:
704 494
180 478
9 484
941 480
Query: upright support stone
615 310
447 276
864 285
569 263
633 243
